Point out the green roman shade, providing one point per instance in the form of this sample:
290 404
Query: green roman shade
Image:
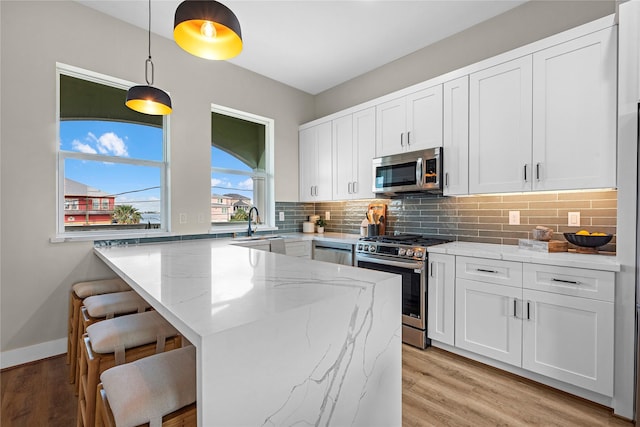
85 100
240 138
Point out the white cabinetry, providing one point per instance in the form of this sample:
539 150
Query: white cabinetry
500 128
315 163
487 297
574 114
546 121
568 325
410 123
455 136
353 148
441 297
555 321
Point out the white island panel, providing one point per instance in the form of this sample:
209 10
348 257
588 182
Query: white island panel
280 340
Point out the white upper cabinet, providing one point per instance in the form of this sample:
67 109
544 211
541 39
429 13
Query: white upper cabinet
410 123
353 149
500 128
574 114
456 137
546 121
315 163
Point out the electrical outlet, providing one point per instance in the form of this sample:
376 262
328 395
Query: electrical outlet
183 218
281 216
327 215
573 219
514 217
200 218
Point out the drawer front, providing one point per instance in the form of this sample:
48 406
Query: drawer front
298 249
506 273
594 284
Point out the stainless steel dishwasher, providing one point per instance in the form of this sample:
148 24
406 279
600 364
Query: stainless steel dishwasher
335 252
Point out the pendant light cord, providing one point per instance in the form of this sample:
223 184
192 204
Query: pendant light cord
148 61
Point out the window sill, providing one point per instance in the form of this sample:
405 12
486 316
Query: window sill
90 237
239 229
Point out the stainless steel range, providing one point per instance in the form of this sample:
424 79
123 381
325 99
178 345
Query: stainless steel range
404 254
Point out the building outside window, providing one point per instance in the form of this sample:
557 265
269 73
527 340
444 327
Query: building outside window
241 167
110 159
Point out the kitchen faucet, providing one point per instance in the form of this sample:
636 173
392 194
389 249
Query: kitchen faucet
250 231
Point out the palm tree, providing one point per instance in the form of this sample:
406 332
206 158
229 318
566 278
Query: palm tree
126 214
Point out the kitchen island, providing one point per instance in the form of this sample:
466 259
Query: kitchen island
280 340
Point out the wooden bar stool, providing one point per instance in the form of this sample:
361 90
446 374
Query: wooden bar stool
107 306
80 291
159 390
114 342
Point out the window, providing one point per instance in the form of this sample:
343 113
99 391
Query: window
241 167
111 160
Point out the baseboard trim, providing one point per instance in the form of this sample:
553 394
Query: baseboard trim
20 356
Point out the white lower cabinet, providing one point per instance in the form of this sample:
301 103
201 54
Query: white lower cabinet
486 320
441 298
569 339
554 321
301 249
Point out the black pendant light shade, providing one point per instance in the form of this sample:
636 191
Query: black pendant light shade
207 29
148 100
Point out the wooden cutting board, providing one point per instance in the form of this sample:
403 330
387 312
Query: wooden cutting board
380 209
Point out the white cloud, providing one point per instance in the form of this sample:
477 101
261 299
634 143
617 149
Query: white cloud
110 143
83 148
247 184
215 182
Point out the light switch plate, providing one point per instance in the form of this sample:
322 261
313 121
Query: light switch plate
183 218
281 216
327 216
514 217
574 219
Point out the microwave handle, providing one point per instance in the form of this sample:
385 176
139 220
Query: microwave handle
419 172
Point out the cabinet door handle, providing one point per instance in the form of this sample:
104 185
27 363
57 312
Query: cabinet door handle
525 172
528 310
486 271
348 188
408 138
515 307
354 187
572 282
538 171
446 179
401 139
431 269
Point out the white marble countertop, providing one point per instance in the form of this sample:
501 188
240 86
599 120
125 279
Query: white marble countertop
277 338
514 253
213 286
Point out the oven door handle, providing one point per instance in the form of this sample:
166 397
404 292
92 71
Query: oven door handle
401 264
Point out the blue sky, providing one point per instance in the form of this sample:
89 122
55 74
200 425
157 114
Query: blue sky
136 185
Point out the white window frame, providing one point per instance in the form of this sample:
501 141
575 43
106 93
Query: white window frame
268 216
165 214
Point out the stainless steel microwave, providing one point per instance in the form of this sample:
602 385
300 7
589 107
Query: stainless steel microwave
417 171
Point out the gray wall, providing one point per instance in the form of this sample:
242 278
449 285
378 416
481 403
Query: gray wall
530 22
36 275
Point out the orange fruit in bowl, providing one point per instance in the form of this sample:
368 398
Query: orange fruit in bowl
583 233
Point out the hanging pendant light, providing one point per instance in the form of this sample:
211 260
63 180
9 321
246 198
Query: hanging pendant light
207 29
148 99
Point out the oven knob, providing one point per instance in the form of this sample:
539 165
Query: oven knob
402 251
419 253
372 248
359 246
409 252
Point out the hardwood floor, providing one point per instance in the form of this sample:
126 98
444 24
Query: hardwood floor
442 389
439 389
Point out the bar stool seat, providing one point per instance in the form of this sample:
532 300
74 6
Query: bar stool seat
114 342
152 390
80 291
107 306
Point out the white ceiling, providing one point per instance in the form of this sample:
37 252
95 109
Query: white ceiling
314 45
